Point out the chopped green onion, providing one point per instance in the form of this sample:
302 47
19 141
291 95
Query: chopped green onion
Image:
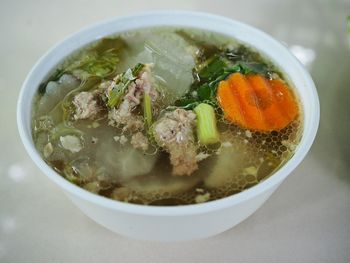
115 95
136 70
147 109
207 131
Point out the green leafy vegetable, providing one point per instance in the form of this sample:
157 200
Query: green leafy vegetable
122 83
207 131
91 63
212 68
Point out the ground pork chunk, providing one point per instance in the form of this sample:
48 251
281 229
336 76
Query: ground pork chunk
124 117
86 106
174 132
139 141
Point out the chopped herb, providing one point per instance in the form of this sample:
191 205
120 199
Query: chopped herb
212 68
124 80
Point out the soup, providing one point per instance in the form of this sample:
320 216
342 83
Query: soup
166 116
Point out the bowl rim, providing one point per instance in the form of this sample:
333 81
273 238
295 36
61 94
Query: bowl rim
275 179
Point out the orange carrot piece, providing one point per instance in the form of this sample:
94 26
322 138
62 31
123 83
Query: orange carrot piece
257 103
248 100
274 114
228 98
284 96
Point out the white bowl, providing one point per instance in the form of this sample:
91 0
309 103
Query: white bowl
180 222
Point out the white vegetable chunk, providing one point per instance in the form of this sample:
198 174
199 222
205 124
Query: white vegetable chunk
71 143
124 161
55 92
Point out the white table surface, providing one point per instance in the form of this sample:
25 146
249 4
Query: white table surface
306 220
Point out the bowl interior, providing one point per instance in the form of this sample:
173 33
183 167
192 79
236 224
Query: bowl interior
272 49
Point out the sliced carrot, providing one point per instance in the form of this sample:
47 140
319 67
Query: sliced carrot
228 98
257 103
284 96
